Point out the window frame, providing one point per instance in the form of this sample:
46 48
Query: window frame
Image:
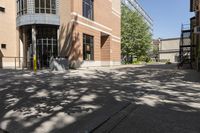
2 9
87 38
46 9
22 7
90 5
3 46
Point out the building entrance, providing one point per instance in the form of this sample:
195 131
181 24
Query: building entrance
45 48
46 45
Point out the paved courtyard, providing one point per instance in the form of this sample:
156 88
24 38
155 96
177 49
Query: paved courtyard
125 99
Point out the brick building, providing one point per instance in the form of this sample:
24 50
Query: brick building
195 33
85 31
169 49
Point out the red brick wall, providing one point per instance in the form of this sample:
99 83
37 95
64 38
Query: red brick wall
105 48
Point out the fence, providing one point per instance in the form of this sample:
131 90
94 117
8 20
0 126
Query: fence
13 62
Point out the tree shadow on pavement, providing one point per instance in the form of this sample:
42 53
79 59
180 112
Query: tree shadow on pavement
80 100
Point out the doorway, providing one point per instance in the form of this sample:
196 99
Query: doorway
45 48
46 45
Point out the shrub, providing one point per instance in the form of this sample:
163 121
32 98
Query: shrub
168 62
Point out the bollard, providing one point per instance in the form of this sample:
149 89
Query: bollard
35 63
15 64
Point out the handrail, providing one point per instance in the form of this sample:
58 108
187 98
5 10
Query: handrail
15 60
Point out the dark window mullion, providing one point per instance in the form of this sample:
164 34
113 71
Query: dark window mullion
39 6
88 41
88 6
45 6
19 7
92 47
25 6
50 7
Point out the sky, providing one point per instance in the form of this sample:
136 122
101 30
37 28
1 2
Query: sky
167 15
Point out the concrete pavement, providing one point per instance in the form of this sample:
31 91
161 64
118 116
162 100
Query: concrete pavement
139 99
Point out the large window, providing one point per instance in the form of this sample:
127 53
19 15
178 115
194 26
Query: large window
45 6
88 47
3 46
2 9
88 10
21 7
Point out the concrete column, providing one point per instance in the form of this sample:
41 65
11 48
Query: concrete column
18 47
197 52
34 45
34 39
23 48
198 59
58 41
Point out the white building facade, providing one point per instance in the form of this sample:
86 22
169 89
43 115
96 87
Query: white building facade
169 49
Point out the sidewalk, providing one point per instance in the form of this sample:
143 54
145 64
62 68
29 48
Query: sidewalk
151 98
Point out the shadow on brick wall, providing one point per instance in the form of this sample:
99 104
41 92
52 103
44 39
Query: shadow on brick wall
1 61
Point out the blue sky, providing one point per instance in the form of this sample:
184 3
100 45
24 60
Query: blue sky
167 15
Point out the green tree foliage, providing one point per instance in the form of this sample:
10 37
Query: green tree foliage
136 38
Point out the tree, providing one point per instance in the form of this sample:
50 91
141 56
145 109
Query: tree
155 52
136 37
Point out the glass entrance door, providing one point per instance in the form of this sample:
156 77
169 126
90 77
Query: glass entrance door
46 48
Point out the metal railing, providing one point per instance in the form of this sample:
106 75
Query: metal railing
13 62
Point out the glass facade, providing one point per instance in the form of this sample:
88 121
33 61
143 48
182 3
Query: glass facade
135 6
46 45
41 6
21 7
45 6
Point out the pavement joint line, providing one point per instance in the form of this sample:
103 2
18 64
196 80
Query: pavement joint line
98 126
126 115
122 114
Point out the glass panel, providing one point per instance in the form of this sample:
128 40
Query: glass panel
45 6
45 55
42 6
48 44
40 42
22 6
55 50
45 41
39 56
48 10
88 9
48 6
53 6
88 53
25 6
49 50
18 7
49 41
37 6
48 3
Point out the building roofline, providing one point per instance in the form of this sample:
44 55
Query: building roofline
140 9
174 38
144 11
